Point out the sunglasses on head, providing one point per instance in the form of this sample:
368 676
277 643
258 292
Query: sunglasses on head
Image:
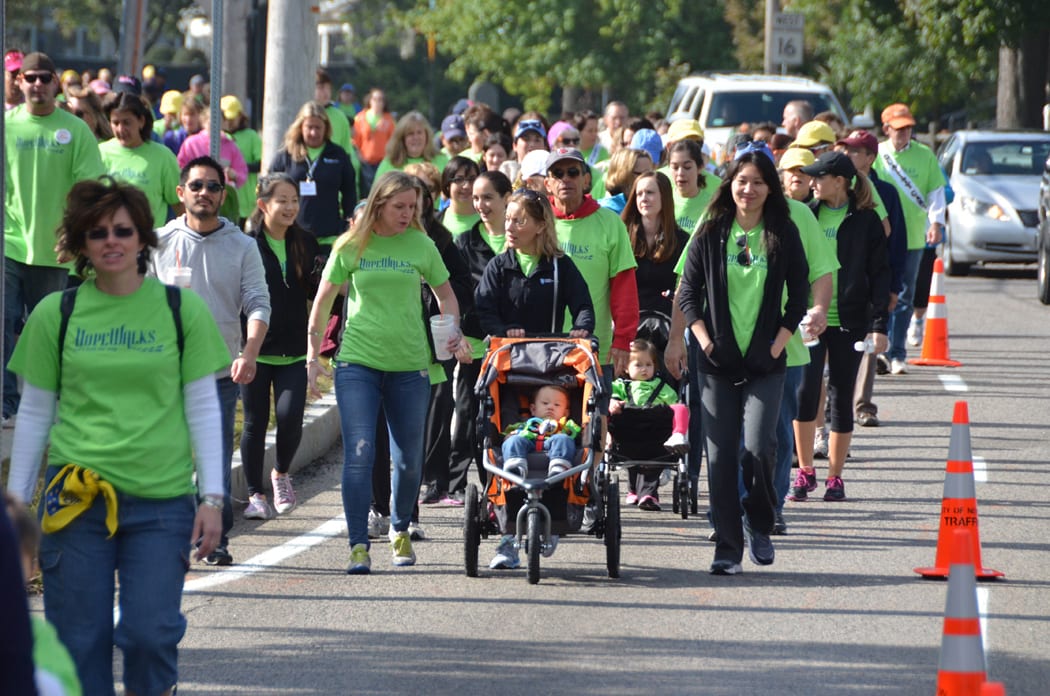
528 193
571 172
744 257
102 233
197 185
43 78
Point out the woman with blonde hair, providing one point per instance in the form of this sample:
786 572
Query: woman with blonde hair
86 105
412 141
385 354
326 178
624 166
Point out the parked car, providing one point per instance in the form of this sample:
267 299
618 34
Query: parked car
1043 274
995 176
722 101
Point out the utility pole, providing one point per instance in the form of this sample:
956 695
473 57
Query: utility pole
132 31
772 7
291 57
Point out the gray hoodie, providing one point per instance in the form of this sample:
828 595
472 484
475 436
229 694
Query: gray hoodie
227 272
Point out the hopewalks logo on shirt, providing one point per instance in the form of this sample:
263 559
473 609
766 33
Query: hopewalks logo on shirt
578 252
39 142
116 339
386 263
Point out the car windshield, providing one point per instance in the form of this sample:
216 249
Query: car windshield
1005 158
734 108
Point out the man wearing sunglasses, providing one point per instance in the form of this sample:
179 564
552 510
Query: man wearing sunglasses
47 150
226 270
596 240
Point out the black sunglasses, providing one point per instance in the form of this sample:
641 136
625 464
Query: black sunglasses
528 193
197 185
744 257
570 141
571 172
99 234
44 78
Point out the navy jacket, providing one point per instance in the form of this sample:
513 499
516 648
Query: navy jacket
897 247
326 213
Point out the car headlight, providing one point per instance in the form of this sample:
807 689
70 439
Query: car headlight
984 208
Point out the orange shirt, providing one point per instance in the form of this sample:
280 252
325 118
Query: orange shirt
371 143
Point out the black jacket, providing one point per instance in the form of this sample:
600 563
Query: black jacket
507 299
286 334
657 281
897 245
864 271
477 253
704 295
326 213
459 279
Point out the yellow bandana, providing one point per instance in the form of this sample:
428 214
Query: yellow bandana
71 492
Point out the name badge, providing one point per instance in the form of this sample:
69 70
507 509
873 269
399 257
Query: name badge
307 188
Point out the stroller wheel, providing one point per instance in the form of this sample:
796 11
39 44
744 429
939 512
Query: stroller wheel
612 529
693 495
471 530
676 495
533 541
682 491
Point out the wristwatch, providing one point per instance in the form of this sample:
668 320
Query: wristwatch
214 501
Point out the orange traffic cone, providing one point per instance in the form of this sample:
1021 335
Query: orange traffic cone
961 670
959 503
935 333
993 689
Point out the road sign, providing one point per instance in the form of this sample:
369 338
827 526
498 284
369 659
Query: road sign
786 38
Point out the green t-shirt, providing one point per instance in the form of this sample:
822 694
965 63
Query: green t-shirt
151 167
45 155
52 657
603 154
120 411
384 316
527 262
458 224
600 248
830 219
642 391
821 259
921 166
496 242
745 284
250 144
688 211
439 161
340 127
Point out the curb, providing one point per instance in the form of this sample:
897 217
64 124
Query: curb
320 432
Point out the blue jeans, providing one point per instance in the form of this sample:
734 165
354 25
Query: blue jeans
24 287
786 434
150 554
900 317
405 396
228 393
556 446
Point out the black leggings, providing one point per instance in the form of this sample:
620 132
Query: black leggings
289 388
836 344
921 298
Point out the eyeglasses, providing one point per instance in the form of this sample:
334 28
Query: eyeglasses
744 257
570 141
460 180
197 185
571 172
44 78
99 234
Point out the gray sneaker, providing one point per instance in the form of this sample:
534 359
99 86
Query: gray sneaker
506 557
726 568
759 546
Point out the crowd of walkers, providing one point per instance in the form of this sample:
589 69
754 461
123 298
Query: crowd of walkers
768 269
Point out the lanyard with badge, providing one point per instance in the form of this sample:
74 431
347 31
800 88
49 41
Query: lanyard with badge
309 187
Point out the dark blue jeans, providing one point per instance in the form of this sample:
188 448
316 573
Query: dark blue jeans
228 393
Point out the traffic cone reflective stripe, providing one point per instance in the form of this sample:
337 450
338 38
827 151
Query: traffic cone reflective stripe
959 502
961 671
935 332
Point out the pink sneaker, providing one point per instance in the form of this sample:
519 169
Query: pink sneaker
631 499
283 493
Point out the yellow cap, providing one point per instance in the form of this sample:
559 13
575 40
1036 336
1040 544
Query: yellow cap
796 157
171 102
814 133
231 107
684 129
148 72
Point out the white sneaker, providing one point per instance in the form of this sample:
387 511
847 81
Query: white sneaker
915 332
558 466
415 532
258 508
677 443
378 525
9 422
898 367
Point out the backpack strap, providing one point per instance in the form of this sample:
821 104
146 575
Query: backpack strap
656 392
175 304
69 301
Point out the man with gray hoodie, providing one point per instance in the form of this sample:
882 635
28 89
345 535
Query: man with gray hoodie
225 269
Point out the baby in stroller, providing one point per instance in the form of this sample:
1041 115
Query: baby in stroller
634 423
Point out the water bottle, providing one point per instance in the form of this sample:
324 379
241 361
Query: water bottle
865 346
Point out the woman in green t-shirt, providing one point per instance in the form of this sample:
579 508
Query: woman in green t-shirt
692 193
384 356
138 408
457 186
412 141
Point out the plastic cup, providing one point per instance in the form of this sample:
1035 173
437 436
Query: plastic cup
809 339
442 327
182 276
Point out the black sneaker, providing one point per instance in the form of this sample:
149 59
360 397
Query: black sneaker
779 525
219 557
431 496
759 547
867 419
882 365
726 568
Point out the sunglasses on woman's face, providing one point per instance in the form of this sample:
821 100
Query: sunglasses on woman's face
569 141
744 257
99 234
197 186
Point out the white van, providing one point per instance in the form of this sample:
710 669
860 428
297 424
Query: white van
722 101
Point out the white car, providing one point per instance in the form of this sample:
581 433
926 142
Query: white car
994 217
722 101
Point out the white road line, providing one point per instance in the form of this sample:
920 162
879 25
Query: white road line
331 528
982 613
980 469
953 383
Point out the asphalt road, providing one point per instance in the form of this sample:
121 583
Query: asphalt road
840 612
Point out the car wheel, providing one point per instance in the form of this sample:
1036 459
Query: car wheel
1043 273
951 266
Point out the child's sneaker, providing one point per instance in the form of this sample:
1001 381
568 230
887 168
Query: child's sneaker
360 561
258 508
506 557
835 490
677 443
401 545
283 493
558 466
551 546
517 466
650 503
631 498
